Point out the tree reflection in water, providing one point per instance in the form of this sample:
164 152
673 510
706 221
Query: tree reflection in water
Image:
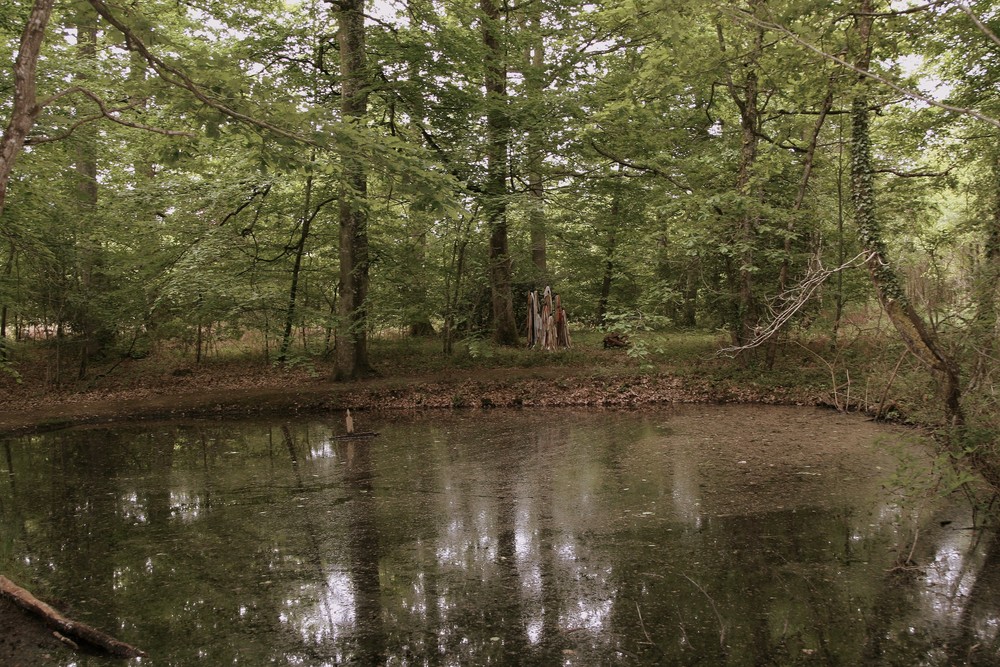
500 538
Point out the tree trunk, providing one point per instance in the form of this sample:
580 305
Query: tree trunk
92 280
890 292
609 267
352 336
8 271
533 79
497 137
25 108
293 289
986 282
746 97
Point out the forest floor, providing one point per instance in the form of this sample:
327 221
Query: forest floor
157 388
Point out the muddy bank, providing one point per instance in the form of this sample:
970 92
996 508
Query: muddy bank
294 394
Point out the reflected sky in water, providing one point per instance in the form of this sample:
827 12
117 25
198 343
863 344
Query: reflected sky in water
698 535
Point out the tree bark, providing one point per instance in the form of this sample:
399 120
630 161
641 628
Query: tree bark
890 292
609 261
293 289
72 629
352 336
534 68
497 137
986 285
8 271
25 107
92 282
746 97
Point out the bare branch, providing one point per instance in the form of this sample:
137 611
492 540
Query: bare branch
915 174
792 300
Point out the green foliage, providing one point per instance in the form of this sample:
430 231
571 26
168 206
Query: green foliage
626 142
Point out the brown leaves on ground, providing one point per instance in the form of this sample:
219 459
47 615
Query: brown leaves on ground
248 388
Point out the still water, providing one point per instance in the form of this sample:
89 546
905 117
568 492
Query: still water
696 535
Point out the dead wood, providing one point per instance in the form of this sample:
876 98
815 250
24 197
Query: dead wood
65 626
360 435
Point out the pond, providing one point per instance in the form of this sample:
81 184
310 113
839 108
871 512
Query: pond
693 535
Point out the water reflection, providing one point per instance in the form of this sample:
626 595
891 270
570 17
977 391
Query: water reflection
730 536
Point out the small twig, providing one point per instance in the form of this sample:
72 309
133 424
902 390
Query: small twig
641 624
892 377
722 623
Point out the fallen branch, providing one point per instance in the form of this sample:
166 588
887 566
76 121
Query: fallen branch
67 628
791 301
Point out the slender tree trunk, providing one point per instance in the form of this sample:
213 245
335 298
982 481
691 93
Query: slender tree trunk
419 319
25 108
890 292
606 280
456 273
497 136
293 289
986 281
609 261
92 282
800 197
839 306
533 78
8 271
352 336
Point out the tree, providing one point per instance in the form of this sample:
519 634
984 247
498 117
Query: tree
352 346
505 331
890 292
25 107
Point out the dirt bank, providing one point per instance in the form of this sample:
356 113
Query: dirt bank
290 393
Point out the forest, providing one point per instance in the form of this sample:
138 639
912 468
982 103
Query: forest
312 176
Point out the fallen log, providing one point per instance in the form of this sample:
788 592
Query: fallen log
65 626
360 435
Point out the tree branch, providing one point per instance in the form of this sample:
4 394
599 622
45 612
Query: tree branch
106 112
175 77
745 16
639 167
979 24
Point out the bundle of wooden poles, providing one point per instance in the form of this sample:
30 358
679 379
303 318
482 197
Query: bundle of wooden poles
547 326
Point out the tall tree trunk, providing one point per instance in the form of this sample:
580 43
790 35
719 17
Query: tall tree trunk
293 289
497 137
800 197
609 261
839 305
352 336
92 281
890 292
533 79
8 271
986 281
419 319
746 97
25 108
